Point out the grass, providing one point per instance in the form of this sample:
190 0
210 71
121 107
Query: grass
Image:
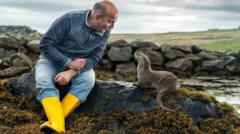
219 40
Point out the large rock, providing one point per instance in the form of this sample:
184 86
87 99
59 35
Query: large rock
109 96
125 70
145 44
32 46
212 65
182 64
118 43
155 57
183 48
207 55
20 32
120 53
174 54
10 43
233 68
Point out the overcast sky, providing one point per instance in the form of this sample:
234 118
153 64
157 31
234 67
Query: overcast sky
135 16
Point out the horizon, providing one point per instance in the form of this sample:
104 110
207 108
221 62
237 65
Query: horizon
135 17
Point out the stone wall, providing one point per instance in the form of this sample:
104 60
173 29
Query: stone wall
182 60
118 57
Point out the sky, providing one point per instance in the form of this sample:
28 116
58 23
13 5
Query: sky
135 16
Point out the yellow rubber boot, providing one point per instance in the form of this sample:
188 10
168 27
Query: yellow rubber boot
54 112
69 104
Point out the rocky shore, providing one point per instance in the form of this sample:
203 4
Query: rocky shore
115 107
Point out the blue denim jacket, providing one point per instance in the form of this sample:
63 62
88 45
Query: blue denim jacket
69 37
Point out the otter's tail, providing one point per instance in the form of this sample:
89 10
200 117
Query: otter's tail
160 95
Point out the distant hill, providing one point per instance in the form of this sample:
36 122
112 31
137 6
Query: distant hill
220 40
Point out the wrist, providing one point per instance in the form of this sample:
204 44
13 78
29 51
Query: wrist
72 72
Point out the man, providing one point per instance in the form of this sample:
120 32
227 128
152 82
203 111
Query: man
70 50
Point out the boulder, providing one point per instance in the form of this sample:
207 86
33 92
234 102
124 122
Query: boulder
32 46
110 96
196 49
207 55
174 54
125 70
120 53
212 65
118 43
145 44
183 48
182 64
155 57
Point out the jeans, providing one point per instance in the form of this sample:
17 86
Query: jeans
82 83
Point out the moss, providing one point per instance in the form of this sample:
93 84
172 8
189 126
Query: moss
10 116
104 75
29 128
184 92
216 126
23 117
5 129
228 121
7 96
146 97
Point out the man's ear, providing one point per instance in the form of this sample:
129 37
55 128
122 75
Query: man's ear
98 16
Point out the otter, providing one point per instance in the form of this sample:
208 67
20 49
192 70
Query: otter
162 81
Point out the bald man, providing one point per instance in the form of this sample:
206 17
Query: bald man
70 50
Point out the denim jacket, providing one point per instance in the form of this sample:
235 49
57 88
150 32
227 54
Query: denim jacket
69 37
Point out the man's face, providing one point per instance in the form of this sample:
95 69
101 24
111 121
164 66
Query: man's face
105 23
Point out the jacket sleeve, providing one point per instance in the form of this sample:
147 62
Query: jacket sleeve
95 56
53 37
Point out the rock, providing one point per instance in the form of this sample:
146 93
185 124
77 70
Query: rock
166 47
194 58
6 52
106 64
120 53
207 55
198 109
145 44
24 85
196 49
32 46
183 48
109 96
20 32
11 43
233 68
125 70
212 65
155 57
119 43
182 64
173 54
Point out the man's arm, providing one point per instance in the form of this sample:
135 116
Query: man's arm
53 37
96 55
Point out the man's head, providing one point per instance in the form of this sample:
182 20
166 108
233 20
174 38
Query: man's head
103 16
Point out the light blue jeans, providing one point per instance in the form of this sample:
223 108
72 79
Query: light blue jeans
82 83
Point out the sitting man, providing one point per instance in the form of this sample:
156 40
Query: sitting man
70 50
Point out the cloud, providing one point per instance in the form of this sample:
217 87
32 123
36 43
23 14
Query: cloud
135 16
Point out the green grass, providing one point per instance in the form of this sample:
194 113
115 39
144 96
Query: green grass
219 40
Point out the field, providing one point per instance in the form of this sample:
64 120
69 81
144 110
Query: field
219 40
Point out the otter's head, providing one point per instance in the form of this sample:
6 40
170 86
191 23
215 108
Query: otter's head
141 57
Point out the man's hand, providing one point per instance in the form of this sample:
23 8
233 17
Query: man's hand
77 64
64 77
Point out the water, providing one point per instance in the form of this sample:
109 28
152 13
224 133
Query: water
225 89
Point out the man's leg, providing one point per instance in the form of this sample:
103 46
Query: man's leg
48 95
82 84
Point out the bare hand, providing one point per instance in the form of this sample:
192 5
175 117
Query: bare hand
64 77
77 64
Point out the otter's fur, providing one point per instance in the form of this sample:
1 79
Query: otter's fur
162 81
